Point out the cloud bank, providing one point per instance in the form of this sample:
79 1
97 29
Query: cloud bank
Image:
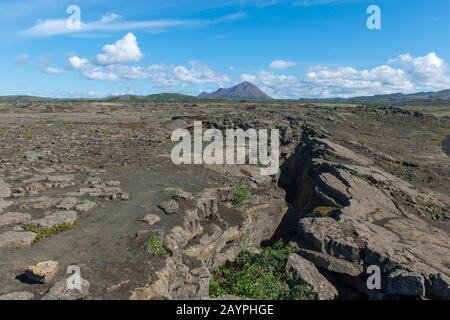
405 73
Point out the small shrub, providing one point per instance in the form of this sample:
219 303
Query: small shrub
242 194
156 247
259 276
43 233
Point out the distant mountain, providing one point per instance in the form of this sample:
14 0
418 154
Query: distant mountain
439 97
242 91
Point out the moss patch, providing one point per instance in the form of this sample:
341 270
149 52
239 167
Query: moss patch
43 233
323 211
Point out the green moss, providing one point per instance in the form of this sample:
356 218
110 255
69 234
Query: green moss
323 211
332 157
43 233
172 191
27 135
259 276
156 247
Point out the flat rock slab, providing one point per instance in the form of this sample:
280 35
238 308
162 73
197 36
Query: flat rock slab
86 205
67 203
20 295
4 204
5 191
13 218
57 218
14 240
304 271
60 291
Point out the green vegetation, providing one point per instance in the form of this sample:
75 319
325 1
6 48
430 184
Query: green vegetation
242 192
156 247
43 233
436 211
323 211
422 202
332 157
172 191
27 135
259 276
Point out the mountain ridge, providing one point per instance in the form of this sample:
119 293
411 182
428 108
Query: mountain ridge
244 90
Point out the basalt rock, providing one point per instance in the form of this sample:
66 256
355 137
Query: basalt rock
373 221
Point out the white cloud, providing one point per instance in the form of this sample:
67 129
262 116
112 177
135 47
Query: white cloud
122 51
281 64
100 74
114 23
405 74
429 71
307 3
22 59
198 73
53 70
78 63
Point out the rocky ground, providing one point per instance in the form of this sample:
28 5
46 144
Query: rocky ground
92 185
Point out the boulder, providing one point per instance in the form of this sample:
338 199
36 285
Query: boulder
304 271
151 219
405 283
440 286
60 291
169 206
42 272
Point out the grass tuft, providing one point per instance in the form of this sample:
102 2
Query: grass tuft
43 233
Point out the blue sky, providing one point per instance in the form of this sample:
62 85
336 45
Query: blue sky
291 49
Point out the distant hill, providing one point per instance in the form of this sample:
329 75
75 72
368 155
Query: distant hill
160 98
248 91
435 98
242 91
22 99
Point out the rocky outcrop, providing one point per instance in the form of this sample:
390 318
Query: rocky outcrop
304 271
370 220
212 232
